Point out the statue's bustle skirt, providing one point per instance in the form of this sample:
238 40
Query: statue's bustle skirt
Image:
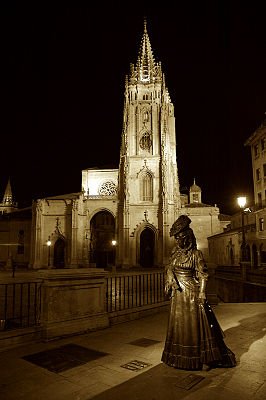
194 336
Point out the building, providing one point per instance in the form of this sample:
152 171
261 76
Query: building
224 248
206 219
123 216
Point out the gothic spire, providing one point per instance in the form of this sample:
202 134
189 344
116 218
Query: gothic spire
147 70
8 198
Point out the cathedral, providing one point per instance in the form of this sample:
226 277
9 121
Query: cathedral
121 217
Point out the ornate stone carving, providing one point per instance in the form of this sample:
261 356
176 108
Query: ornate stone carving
108 188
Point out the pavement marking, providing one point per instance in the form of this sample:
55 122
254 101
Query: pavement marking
189 381
135 365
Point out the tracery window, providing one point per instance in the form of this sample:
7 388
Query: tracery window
146 188
145 141
108 188
146 116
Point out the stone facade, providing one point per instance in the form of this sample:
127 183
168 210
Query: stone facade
123 216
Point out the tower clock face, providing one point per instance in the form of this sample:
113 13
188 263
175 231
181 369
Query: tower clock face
145 141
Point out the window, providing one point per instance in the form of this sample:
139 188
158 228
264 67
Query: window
108 188
258 174
146 187
145 141
195 198
261 224
259 200
146 116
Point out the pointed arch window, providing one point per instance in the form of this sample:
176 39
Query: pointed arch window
146 187
146 116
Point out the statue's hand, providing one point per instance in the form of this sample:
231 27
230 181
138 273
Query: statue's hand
202 297
169 289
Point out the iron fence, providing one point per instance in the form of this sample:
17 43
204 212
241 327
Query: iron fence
20 304
125 291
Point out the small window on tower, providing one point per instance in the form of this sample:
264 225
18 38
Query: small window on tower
146 116
195 198
146 188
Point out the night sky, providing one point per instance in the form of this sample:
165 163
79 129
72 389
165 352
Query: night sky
62 90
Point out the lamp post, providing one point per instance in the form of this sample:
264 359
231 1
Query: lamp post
114 242
242 203
49 247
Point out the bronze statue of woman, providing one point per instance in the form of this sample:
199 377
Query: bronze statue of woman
194 338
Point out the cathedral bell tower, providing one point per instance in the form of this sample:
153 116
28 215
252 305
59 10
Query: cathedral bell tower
148 187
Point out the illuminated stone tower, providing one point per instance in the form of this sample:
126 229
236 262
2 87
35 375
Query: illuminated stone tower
148 187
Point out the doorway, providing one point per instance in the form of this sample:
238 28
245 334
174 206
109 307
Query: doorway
147 248
102 253
59 253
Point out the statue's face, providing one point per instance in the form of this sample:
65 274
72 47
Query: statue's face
183 239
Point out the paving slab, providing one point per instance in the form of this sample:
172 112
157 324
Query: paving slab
141 342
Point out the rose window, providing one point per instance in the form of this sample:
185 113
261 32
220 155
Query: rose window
108 188
145 141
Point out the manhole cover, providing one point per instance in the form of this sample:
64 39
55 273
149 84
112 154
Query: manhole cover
64 357
144 342
189 381
135 365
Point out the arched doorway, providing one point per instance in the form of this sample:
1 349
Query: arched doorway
102 253
262 254
147 248
59 253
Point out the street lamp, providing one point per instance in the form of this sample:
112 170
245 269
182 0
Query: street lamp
114 242
242 200
49 247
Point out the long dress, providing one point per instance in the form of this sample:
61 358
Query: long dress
194 336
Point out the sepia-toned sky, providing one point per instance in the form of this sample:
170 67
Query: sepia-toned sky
63 87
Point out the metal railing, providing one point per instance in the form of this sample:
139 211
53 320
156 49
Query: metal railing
20 304
126 291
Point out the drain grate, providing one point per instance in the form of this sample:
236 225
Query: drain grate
189 381
144 342
135 365
63 358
